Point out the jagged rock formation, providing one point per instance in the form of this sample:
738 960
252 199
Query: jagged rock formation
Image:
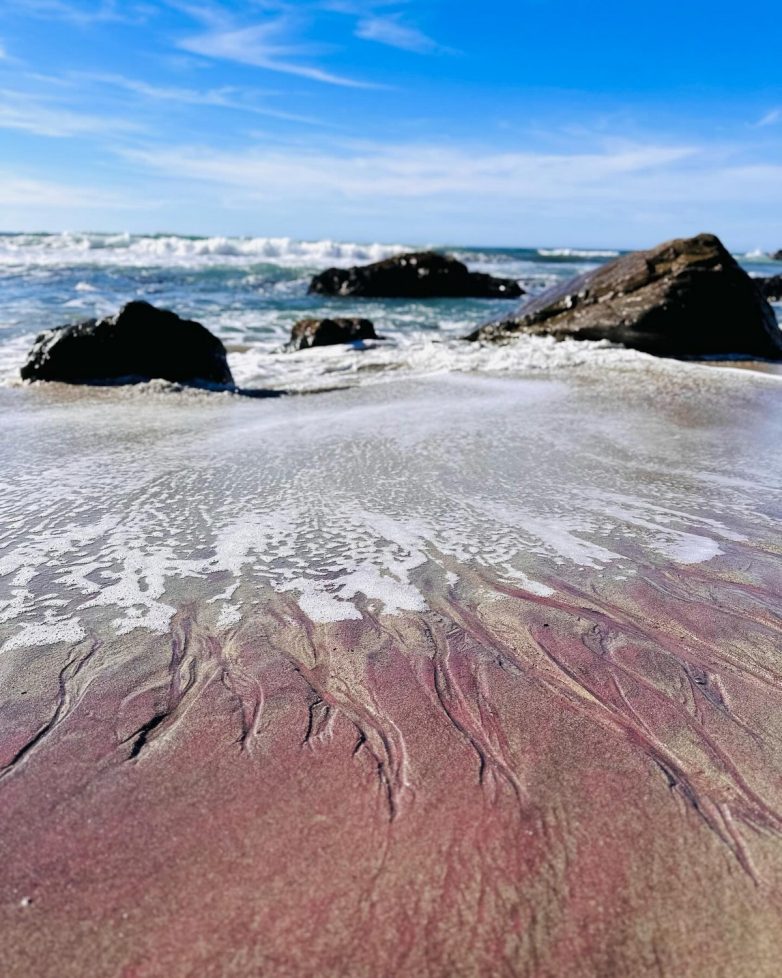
685 298
140 343
418 275
307 333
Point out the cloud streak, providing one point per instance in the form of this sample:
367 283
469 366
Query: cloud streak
423 172
16 191
227 97
391 32
29 113
106 11
769 119
622 195
266 45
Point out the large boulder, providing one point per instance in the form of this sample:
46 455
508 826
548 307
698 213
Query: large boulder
329 332
777 256
684 298
139 343
419 275
770 287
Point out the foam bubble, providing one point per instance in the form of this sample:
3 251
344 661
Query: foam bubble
45 633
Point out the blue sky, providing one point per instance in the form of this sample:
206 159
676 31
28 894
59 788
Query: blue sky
514 122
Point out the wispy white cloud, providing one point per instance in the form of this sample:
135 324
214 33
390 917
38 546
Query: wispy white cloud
422 172
393 33
266 45
29 113
85 14
227 97
364 8
770 118
383 21
16 191
614 194
254 46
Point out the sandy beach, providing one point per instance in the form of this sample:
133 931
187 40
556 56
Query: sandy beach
450 675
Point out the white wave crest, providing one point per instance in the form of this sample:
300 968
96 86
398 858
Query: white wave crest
576 253
129 250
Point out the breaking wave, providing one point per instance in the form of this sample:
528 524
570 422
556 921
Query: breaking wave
585 253
174 250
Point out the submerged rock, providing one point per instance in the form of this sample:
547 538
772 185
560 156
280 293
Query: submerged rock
770 287
139 343
419 275
686 297
329 332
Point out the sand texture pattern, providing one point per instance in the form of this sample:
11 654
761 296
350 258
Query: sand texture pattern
466 678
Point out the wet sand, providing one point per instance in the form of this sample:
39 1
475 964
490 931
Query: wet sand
453 677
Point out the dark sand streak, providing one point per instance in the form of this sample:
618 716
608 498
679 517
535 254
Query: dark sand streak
572 652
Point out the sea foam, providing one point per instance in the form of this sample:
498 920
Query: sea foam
351 501
174 250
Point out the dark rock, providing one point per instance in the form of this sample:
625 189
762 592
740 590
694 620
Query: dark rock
777 256
420 275
139 343
329 332
687 297
770 287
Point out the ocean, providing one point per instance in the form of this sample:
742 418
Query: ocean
250 292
